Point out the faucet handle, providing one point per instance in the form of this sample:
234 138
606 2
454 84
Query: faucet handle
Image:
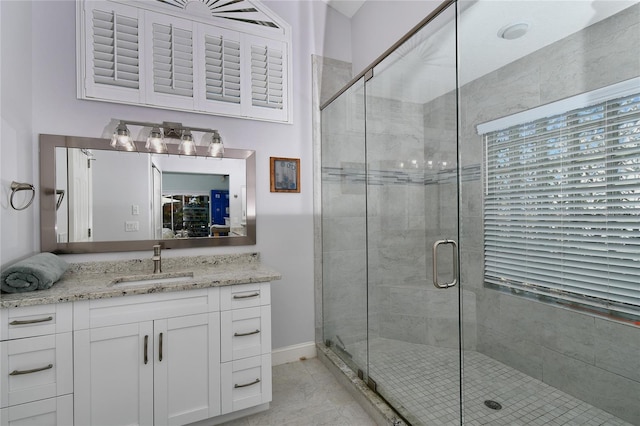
156 249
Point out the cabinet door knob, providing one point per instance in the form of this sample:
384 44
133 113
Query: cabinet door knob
35 370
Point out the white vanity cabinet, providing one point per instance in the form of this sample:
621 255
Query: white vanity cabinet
148 360
36 365
163 358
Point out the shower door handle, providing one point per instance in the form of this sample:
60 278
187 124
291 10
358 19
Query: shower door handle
454 249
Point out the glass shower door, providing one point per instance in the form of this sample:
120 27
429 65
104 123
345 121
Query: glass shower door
412 226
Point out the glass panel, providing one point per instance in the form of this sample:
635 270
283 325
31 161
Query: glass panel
543 358
414 354
344 279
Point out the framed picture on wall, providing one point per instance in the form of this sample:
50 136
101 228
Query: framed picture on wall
285 174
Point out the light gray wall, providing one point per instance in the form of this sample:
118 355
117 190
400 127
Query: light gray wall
39 96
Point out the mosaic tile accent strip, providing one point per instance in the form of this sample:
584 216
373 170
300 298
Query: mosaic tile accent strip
419 176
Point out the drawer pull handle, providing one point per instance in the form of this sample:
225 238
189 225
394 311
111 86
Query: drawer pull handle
246 296
160 351
146 349
35 370
247 384
246 334
33 321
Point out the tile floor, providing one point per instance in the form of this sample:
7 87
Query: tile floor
422 383
305 393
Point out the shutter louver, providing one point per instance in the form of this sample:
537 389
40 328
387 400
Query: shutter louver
562 209
172 60
267 77
222 68
115 49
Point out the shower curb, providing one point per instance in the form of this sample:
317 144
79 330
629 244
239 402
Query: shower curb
375 406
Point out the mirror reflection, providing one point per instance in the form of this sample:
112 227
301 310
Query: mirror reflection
123 196
95 198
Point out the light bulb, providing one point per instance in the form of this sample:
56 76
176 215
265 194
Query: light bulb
122 138
155 141
187 145
216 148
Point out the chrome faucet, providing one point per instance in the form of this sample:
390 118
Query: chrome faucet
157 259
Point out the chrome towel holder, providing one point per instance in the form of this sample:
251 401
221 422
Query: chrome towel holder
19 186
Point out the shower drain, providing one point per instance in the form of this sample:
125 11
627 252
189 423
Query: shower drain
493 404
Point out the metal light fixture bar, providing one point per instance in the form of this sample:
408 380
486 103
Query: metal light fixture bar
155 143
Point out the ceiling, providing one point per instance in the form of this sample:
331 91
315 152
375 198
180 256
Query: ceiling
424 66
347 7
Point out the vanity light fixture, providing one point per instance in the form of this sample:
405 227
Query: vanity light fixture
160 133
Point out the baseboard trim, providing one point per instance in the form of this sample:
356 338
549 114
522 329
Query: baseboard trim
293 353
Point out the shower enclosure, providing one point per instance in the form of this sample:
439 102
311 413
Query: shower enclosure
480 204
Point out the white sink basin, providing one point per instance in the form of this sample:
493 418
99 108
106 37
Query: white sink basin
162 278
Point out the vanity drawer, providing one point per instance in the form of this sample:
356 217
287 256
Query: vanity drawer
245 333
36 368
53 411
244 296
143 307
29 321
246 383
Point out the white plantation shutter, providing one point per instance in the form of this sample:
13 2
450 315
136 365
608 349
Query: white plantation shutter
137 53
222 69
562 206
267 77
172 60
115 47
113 62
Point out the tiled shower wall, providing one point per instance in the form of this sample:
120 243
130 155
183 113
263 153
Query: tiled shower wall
592 358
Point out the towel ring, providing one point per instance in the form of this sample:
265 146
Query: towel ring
18 186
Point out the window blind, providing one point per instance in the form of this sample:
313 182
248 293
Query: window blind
562 206
172 60
115 49
222 68
267 78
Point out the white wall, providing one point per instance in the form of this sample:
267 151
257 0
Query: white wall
378 24
39 87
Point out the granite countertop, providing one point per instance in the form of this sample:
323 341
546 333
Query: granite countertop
101 280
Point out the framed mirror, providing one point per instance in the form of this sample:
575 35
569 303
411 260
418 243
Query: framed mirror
95 198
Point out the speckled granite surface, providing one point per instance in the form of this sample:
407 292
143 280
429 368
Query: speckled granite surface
101 280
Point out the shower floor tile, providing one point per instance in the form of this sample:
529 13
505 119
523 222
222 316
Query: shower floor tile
422 384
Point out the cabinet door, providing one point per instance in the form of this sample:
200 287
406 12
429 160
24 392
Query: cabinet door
114 375
187 369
